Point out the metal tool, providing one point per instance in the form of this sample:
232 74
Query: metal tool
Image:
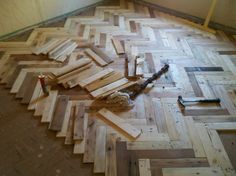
125 98
184 103
142 86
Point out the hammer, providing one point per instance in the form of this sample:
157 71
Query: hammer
184 103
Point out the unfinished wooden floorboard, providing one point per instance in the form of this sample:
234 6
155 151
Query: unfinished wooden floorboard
100 150
97 93
201 171
70 128
102 54
71 67
59 113
96 76
25 84
111 163
119 124
83 75
144 167
105 81
30 90
72 75
79 122
65 124
118 46
95 57
90 140
50 106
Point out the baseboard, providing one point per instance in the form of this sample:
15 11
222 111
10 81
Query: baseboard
49 21
192 18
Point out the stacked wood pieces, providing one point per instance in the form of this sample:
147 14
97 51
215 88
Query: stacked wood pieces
57 49
98 56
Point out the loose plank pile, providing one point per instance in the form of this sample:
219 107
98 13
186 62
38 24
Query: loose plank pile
57 49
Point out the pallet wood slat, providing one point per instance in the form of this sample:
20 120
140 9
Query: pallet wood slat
105 81
95 57
119 123
100 150
79 122
97 93
59 113
95 77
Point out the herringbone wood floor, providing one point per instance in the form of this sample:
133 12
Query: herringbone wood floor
172 142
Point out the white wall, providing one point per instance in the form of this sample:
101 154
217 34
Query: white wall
19 14
225 12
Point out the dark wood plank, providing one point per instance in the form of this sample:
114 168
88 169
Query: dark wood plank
196 88
13 77
127 158
30 90
103 39
116 20
227 52
79 122
133 26
59 113
205 112
203 69
81 30
25 84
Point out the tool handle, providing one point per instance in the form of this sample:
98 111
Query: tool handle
217 100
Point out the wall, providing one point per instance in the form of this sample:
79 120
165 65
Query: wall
225 11
19 14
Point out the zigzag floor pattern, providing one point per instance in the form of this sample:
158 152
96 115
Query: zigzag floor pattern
172 142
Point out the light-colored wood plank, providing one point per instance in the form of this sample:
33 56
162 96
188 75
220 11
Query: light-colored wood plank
144 167
119 124
95 57
100 150
96 76
192 171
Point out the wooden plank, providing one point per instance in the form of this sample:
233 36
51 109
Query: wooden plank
90 140
79 122
71 67
83 75
101 53
96 76
193 171
24 86
66 120
97 93
35 96
70 128
111 164
124 86
49 106
144 167
119 124
100 150
160 116
118 46
72 74
105 81
95 57
194 137
79 146
59 113
30 90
